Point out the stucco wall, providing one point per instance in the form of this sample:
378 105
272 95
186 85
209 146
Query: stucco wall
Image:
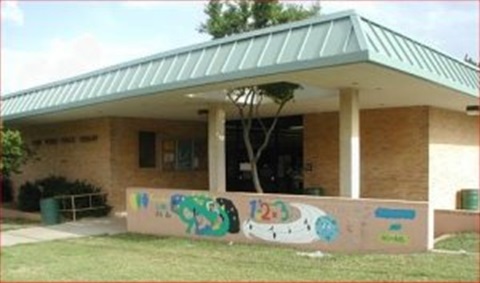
456 221
394 155
124 156
75 150
325 224
453 156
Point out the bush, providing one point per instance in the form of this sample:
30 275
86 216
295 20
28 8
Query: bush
6 190
54 186
29 196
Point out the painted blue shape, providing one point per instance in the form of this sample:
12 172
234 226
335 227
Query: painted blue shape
175 200
395 227
144 200
389 213
326 228
204 231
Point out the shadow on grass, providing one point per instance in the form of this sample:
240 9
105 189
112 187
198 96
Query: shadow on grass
137 237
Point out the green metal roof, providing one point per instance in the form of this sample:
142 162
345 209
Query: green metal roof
325 41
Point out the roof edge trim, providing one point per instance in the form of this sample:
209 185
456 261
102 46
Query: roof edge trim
333 61
470 66
185 49
421 74
361 37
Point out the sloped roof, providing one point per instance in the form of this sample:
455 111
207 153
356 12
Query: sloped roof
324 41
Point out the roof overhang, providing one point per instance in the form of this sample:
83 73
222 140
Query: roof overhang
323 54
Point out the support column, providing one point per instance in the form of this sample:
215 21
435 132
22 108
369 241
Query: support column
216 150
349 144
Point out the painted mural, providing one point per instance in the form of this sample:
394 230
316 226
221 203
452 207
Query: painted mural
139 201
273 223
356 225
205 216
395 217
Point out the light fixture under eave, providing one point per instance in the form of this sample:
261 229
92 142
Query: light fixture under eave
296 128
201 112
472 110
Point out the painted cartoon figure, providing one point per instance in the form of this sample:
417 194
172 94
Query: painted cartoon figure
326 228
205 216
232 214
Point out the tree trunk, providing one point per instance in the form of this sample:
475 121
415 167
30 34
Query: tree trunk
256 178
252 159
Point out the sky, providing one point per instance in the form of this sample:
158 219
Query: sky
44 41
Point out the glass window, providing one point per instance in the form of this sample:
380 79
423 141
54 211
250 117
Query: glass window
147 150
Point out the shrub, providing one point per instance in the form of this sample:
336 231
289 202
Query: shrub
29 197
6 189
54 186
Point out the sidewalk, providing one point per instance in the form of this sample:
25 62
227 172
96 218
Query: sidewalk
82 228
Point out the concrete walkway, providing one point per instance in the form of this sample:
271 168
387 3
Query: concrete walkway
82 228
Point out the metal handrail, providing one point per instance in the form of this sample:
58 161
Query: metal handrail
72 200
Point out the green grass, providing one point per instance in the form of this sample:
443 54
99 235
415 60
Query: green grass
469 242
16 223
130 257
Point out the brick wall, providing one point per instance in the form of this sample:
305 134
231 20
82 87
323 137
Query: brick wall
69 150
124 157
394 153
394 156
404 151
321 151
454 156
111 161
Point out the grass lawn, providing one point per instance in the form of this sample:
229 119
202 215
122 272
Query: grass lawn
129 257
16 223
469 242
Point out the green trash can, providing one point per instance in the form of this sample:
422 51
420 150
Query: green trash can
469 199
49 210
314 191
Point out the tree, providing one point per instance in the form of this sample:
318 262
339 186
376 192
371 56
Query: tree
14 152
225 18
231 17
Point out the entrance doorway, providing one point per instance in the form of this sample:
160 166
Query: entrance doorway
280 166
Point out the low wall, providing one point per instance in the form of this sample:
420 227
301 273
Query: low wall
455 221
12 213
320 223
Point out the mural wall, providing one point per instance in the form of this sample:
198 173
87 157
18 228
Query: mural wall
320 223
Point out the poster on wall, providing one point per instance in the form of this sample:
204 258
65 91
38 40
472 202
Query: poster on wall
200 155
168 155
185 152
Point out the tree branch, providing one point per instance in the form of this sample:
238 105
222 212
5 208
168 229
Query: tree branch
270 130
257 115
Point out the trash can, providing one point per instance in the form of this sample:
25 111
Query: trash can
469 199
314 191
50 211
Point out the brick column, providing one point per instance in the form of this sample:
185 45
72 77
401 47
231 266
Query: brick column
349 144
216 149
